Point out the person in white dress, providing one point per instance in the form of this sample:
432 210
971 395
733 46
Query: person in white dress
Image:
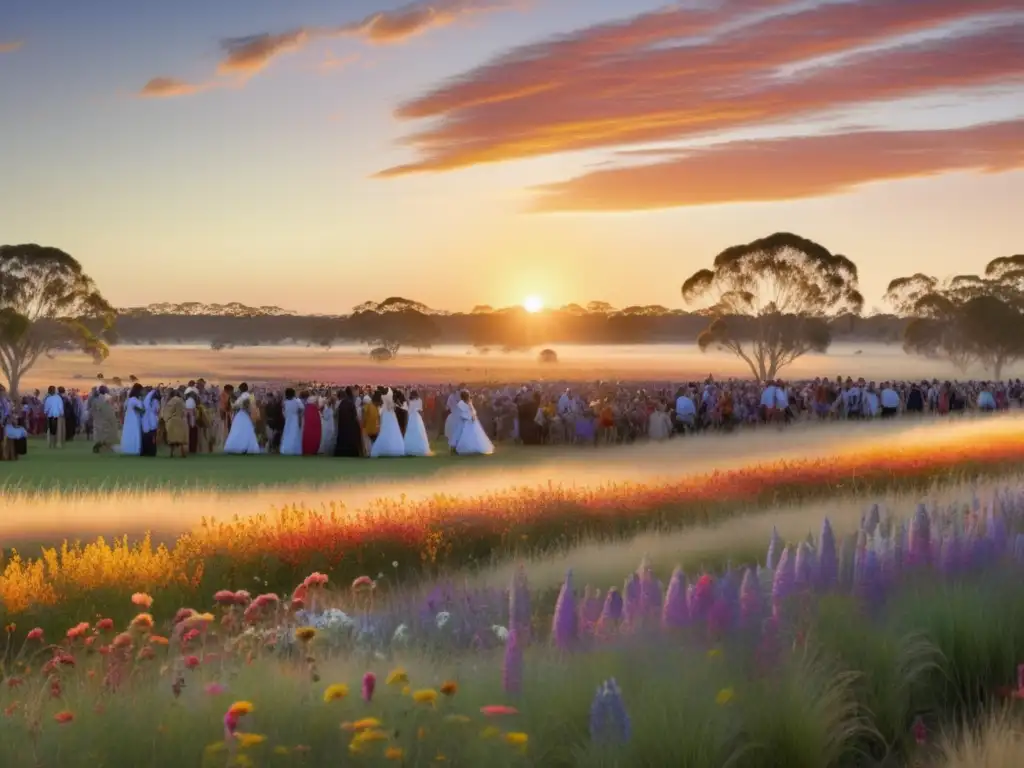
291 438
242 437
452 422
416 441
471 438
389 442
659 424
328 431
131 434
150 422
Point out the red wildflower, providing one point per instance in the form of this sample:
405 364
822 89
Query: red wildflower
35 634
104 625
315 579
191 662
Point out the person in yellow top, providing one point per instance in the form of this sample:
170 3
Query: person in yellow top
175 423
371 416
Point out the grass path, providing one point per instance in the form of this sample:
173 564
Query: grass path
76 468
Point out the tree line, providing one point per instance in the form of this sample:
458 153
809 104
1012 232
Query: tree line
768 302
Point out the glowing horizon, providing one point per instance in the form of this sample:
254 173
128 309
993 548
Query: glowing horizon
467 152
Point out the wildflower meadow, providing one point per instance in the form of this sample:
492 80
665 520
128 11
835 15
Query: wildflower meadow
330 637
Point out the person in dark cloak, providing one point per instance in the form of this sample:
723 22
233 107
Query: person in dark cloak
529 430
70 414
401 413
350 433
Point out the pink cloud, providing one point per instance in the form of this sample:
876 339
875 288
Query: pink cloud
10 47
169 87
677 73
788 168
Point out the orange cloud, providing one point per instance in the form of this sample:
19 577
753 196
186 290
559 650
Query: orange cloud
10 47
169 87
788 168
418 17
248 55
676 73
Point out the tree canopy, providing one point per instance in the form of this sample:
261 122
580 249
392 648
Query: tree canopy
965 319
394 323
47 304
772 300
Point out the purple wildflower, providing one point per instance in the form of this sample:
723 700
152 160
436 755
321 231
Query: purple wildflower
750 600
722 615
611 614
565 629
951 555
368 686
899 549
609 721
675 613
828 562
632 607
512 666
919 549
519 604
650 594
773 550
590 609
803 569
702 597
782 583
872 520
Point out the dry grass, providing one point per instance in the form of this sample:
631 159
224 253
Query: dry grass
997 742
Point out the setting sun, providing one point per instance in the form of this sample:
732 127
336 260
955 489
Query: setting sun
533 304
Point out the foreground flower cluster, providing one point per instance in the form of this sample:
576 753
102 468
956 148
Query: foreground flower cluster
832 648
447 532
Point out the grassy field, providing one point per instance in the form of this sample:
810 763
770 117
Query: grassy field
76 468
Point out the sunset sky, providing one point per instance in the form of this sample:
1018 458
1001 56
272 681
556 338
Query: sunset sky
317 153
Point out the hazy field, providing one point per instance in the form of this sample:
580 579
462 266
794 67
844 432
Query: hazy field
122 506
669 363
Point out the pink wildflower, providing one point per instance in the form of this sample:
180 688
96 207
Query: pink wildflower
35 634
315 579
215 689
919 730
369 684
224 597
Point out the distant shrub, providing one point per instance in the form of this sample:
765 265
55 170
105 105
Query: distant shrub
380 355
547 356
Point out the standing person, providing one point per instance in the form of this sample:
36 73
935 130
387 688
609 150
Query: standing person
389 443
175 418
131 434
401 410
311 426
451 421
192 417
291 437
349 443
104 422
327 428
225 411
70 426
416 441
371 419
242 437
53 407
150 422
471 438
275 423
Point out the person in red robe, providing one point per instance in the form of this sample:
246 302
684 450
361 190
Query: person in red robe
311 427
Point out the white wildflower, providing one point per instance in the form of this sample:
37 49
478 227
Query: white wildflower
500 632
401 634
442 618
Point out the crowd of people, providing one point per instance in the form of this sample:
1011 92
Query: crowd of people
377 421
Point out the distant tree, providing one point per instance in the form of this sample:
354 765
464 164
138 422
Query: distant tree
482 309
965 319
47 304
772 299
394 323
380 355
600 308
573 309
547 356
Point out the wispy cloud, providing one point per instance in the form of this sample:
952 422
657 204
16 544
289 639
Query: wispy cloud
680 72
244 57
10 47
788 168
169 87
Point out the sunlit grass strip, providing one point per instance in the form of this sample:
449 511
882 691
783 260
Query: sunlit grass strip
456 531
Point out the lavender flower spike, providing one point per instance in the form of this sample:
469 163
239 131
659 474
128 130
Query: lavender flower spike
512 667
803 570
920 545
750 600
611 614
565 628
609 721
676 613
828 561
782 584
773 550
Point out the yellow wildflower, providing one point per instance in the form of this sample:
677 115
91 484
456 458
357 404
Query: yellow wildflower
366 723
217 746
393 753
449 688
397 677
241 708
281 750
489 732
724 696
249 739
305 634
241 761
516 739
335 692
369 735
425 696
406 690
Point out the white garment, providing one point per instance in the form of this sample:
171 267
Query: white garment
451 424
471 439
151 415
416 441
986 400
389 442
328 430
659 426
242 437
131 435
53 406
890 398
291 438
